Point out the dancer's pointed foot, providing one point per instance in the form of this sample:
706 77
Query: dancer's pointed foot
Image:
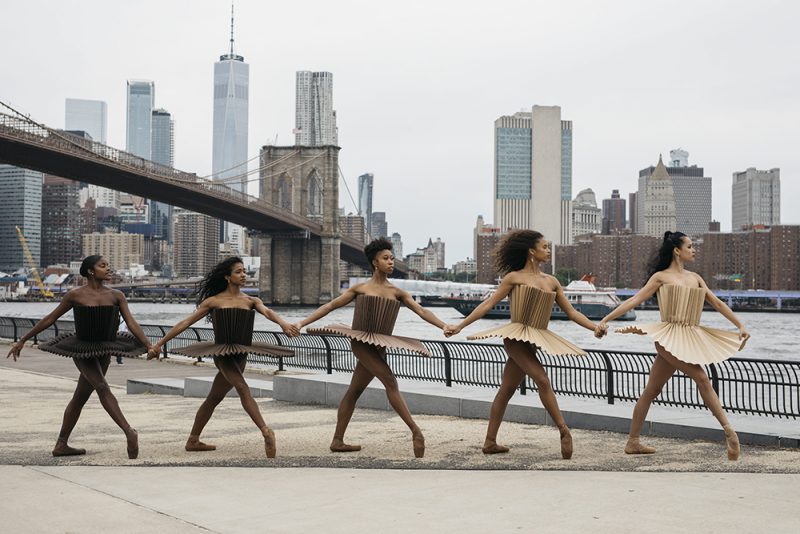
419 444
133 443
338 445
270 446
732 442
62 449
634 447
194 444
490 446
566 443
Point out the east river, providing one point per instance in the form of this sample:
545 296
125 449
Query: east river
774 335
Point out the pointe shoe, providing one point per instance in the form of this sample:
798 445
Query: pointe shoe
419 445
566 443
270 446
732 443
491 447
133 444
193 444
634 447
62 449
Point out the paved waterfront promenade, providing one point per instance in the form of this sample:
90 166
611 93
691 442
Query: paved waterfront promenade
455 488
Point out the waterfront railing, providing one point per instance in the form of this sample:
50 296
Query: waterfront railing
744 385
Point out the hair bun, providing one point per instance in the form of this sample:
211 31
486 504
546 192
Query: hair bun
667 234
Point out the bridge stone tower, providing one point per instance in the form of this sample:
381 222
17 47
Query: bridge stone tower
298 267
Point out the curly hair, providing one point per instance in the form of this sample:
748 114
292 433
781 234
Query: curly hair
375 246
662 258
512 252
214 282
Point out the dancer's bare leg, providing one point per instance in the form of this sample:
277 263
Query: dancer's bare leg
72 412
94 372
372 361
660 372
512 376
219 389
359 382
524 355
231 369
710 397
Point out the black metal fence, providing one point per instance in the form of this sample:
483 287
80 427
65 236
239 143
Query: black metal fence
744 385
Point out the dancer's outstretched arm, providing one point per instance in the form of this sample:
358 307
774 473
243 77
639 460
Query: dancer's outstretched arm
572 314
723 308
288 328
44 323
201 311
133 326
342 300
642 295
416 307
505 287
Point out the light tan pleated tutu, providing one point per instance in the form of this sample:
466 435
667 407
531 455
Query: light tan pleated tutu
373 322
233 335
679 331
530 314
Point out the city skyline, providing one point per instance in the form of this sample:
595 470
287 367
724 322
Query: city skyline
732 121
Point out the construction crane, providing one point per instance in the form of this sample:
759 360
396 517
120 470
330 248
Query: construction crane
32 264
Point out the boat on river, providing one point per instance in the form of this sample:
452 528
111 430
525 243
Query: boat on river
583 295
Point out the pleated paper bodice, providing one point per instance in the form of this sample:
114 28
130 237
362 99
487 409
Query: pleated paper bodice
233 325
375 314
96 323
681 304
531 306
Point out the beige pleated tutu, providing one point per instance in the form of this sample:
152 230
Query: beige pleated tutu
679 331
233 336
373 322
530 314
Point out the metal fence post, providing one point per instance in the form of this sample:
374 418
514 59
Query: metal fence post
714 377
523 387
328 356
448 366
609 379
16 335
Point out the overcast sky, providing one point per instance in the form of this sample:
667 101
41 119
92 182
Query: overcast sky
418 85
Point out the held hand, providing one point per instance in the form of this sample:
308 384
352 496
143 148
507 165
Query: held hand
298 327
15 350
154 352
290 330
600 330
744 335
451 330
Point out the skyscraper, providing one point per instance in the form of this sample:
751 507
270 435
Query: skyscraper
380 228
692 192
61 221
533 172
141 100
365 182
586 216
196 243
229 151
163 149
613 213
756 198
315 119
397 245
20 205
90 116
659 203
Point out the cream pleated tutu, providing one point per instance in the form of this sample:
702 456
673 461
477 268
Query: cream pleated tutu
373 322
530 314
679 331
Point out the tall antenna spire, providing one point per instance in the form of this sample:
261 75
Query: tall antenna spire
231 28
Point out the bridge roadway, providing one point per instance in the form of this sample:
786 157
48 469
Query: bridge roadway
26 144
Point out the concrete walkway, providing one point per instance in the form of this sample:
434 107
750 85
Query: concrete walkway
687 486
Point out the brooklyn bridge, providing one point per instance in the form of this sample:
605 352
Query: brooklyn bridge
295 217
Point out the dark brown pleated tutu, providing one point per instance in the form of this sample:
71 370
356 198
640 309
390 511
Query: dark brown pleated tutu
95 336
233 336
373 322
70 346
